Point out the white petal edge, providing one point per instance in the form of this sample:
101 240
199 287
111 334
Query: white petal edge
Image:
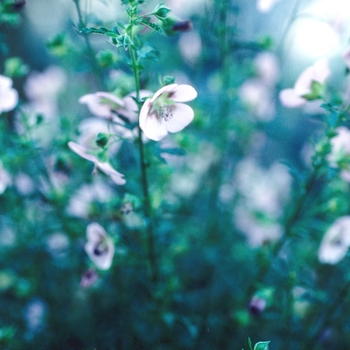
183 93
289 98
82 152
182 116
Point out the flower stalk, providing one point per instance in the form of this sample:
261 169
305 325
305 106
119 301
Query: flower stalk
143 166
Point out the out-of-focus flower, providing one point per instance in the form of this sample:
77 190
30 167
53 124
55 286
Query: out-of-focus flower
35 314
116 177
262 194
336 242
261 300
258 98
102 104
89 278
340 154
24 184
58 245
81 201
190 46
5 179
266 5
8 95
309 86
258 93
267 67
346 57
99 246
165 113
42 90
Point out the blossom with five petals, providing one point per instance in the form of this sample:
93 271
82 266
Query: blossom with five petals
309 85
99 246
8 95
116 177
165 112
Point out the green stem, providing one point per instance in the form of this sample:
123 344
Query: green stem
143 165
332 310
89 49
289 223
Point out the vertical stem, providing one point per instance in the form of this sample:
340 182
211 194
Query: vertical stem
143 165
90 51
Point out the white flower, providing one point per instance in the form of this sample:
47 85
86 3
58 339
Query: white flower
99 246
335 242
265 5
296 97
102 104
116 177
165 113
341 152
5 179
8 95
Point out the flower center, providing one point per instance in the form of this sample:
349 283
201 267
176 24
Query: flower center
166 112
101 248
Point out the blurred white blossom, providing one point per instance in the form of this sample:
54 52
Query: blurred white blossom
81 200
99 246
340 153
266 5
34 315
8 95
42 90
5 178
336 241
304 86
262 194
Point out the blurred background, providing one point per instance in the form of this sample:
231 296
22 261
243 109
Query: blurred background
221 194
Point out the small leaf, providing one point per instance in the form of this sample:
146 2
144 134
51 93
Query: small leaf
101 30
147 22
174 151
262 345
250 344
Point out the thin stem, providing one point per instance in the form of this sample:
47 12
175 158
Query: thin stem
289 223
143 165
332 310
90 51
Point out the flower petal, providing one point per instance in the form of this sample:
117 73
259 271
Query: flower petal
289 98
182 116
99 246
151 124
116 177
183 93
164 89
82 152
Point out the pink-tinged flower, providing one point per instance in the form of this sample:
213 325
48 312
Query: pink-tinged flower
89 278
165 113
116 177
8 95
309 86
336 242
265 5
99 246
102 104
346 57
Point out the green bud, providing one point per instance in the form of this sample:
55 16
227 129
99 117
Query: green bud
102 139
15 68
161 11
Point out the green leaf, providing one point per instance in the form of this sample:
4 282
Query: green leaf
317 91
102 30
250 344
262 345
174 151
149 52
147 22
15 67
